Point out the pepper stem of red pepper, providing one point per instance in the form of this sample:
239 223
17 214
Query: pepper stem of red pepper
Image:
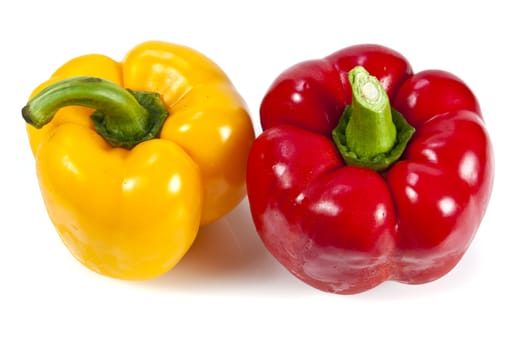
370 133
122 116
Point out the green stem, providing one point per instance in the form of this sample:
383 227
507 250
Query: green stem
370 133
123 117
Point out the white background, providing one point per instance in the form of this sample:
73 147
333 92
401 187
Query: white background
228 292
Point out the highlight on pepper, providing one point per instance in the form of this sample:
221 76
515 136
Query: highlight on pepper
366 171
132 157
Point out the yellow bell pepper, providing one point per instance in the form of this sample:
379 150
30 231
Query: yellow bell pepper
133 157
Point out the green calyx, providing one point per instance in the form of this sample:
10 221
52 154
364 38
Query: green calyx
122 116
370 133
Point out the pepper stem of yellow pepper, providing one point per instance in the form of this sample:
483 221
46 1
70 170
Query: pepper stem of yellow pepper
122 116
370 133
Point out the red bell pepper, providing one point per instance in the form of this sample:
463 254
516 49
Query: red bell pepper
366 175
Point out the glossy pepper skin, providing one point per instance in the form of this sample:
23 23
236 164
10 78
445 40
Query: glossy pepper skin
347 228
133 212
